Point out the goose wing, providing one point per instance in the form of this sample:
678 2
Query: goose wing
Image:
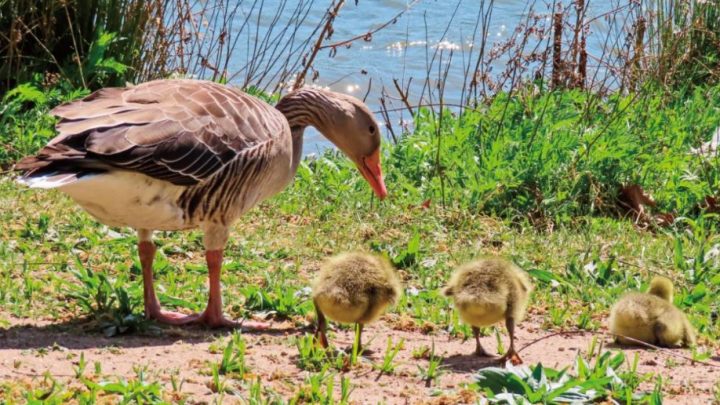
181 131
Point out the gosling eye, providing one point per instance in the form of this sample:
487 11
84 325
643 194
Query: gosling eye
372 129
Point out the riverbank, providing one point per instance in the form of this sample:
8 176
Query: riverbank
535 177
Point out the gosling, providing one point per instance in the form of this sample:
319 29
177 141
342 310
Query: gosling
651 318
353 288
487 291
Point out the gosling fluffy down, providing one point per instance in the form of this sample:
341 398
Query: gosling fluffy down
355 288
488 291
651 317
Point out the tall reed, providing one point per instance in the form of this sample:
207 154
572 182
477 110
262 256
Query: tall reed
684 41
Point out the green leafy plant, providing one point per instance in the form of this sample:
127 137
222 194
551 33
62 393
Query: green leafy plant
392 349
233 357
434 368
588 383
109 302
135 390
310 355
410 255
282 301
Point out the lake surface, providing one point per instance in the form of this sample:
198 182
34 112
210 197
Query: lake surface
400 50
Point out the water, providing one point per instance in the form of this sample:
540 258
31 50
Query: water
400 51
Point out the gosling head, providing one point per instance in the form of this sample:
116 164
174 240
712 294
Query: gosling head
661 287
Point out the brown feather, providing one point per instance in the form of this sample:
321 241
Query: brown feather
182 131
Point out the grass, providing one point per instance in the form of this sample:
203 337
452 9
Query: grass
48 390
233 357
433 370
388 366
41 266
533 178
49 264
71 267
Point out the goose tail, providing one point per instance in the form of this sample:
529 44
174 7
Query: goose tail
54 179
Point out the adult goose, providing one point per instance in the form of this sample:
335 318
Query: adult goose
185 154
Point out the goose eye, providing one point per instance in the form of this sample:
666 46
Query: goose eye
372 129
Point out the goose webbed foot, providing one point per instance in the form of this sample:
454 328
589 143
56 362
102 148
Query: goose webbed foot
219 321
156 313
210 319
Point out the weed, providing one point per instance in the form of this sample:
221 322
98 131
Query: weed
279 300
558 315
262 395
392 349
311 355
233 357
356 350
320 388
176 383
538 384
434 368
218 384
422 352
136 390
499 341
80 368
109 302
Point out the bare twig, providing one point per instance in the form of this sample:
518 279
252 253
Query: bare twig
386 118
330 15
368 35
557 66
611 335
42 45
77 50
404 95
367 93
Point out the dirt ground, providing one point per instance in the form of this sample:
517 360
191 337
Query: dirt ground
29 349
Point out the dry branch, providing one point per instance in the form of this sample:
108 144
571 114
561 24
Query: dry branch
368 35
330 15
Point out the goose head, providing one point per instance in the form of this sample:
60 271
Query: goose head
357 135
346 122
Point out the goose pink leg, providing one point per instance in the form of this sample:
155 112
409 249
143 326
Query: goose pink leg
212 316
146 251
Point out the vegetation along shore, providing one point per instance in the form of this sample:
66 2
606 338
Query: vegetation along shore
581 146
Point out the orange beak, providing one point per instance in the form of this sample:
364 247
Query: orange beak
372 171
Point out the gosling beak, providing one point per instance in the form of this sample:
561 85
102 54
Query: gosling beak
371 170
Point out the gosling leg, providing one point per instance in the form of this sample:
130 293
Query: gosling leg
479 350
321 328
511 354
359 330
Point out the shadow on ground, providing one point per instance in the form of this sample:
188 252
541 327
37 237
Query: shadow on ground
469 363
86 334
